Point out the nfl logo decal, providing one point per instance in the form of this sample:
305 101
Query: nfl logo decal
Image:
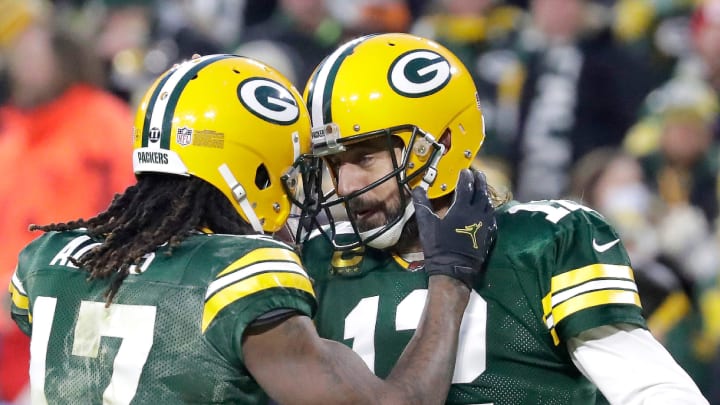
184 136
154 135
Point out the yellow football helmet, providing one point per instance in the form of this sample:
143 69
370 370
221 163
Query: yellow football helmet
404 86
234 122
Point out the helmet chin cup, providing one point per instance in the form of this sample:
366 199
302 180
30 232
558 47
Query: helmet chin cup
385 237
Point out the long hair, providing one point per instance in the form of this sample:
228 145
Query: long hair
158 209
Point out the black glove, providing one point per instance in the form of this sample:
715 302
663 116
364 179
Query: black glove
458 244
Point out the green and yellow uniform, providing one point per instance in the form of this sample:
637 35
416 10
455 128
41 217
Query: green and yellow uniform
557 269
173 333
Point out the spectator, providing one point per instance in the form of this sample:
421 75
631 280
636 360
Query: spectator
612 181
371 16
60 133
479 32
294 39
674 141
655 32
705 29
580 92
699 69
139 39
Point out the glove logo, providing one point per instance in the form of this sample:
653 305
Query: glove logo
268 100
419 73
471 230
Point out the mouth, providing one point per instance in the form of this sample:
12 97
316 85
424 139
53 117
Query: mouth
364 214
369 218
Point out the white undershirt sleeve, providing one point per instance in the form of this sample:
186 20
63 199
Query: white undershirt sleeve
630 367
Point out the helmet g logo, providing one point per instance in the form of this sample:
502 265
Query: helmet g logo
419 73
268 100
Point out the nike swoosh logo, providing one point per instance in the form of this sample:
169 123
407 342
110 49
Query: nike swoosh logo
605 246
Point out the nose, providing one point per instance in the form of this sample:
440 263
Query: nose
350 178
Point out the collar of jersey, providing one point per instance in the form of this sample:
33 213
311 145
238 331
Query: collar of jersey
402 262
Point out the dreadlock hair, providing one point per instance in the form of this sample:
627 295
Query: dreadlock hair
158 209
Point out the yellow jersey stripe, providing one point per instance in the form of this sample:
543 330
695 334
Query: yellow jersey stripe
249 286
262 255
587 273
591 299
604 284
561 286
19 300
249 271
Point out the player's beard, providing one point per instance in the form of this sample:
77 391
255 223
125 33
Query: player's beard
381 212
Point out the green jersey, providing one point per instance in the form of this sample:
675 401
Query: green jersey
173 333
557 269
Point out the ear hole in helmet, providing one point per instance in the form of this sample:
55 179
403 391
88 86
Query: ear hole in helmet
446 140
262 177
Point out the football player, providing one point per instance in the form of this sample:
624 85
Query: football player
175 295
555 316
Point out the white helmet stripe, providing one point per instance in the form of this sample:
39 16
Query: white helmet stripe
158 109
327 69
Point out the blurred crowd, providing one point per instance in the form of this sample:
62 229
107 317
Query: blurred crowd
613 103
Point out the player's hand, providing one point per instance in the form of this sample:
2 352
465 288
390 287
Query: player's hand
458 244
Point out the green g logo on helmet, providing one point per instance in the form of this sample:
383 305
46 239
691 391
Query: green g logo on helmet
419 73
268 100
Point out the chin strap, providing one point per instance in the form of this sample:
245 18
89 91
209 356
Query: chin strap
241 197
391 235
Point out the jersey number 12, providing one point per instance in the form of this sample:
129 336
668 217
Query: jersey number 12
360 326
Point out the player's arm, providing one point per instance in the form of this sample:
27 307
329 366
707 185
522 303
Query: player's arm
616 353
629 366
294 365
